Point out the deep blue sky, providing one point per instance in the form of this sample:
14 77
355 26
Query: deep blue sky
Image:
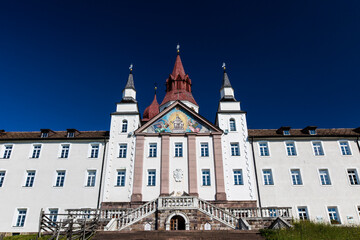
63 64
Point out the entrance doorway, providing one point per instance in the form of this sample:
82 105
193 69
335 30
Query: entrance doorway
177 223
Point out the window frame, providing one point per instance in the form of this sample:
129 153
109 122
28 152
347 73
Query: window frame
90 179
124 126
35 152
236 152
64 154
232 125
5 152
295 148
236 177
302 212
122 178
29 179
57 177
356 174
91 145
20 219
204 149
337 214
272 182
152 150
2 177
296 179
53 216
322 148
151 177
205 177
328 175
178 150
122 150
348 145
267 147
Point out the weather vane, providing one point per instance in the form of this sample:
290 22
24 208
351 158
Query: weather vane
223 66
178 48
131 67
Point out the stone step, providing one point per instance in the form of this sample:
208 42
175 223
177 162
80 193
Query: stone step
162 235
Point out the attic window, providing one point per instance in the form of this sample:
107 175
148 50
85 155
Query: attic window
312 131
286 132
70 134
44 134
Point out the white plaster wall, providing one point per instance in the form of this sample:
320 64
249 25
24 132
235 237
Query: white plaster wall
205 192
226 92
178 163
126 107
113 193
229 106
151 192
129 93
43 194
312 194
248 190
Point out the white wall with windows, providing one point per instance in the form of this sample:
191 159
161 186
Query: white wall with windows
28 180
321 175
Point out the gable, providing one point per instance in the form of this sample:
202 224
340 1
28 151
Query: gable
178 120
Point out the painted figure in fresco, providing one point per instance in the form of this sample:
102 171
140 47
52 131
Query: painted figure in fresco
178 125
160 126
194 126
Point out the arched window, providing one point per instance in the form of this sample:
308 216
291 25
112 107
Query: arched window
124 126
232 125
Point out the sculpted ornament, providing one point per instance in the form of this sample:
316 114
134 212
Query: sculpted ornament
178 175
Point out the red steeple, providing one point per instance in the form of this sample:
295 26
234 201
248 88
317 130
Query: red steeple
178 85
152 110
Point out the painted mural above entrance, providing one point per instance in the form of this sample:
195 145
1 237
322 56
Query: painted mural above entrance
177 121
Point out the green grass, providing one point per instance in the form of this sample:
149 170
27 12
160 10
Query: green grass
306 230
26 237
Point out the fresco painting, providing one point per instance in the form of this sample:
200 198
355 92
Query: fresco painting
177 121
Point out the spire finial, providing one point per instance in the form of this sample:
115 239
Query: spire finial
223 66
155 87
178 48
131 67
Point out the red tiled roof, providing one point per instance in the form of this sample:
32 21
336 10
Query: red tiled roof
329 132
53 135
181 95
178 68
152 110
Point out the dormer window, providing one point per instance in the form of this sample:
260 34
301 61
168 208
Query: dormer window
286 132
312 132
309 130
71 132
45 133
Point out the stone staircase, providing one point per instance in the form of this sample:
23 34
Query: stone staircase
177 203
202 235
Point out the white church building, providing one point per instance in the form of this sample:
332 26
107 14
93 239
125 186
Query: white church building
179 170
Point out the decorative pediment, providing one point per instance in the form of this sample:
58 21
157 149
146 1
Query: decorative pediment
178 118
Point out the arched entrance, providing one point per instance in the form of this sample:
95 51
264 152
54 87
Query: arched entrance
177 222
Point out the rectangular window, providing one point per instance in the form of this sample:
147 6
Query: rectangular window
232 125
71 134
8 150
204 147
122 150
303 215
60 179
44 134
30 179
2 178
312 132
272 212
152 150
91 178
94 151
353 177
268 179
65 151
120 179
178 150
296 177
206 177
235 150
36 151
151 177
318 149
238 179
324 177
264 149
345 148
286 132
20 221
290 148
53 214
333 215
